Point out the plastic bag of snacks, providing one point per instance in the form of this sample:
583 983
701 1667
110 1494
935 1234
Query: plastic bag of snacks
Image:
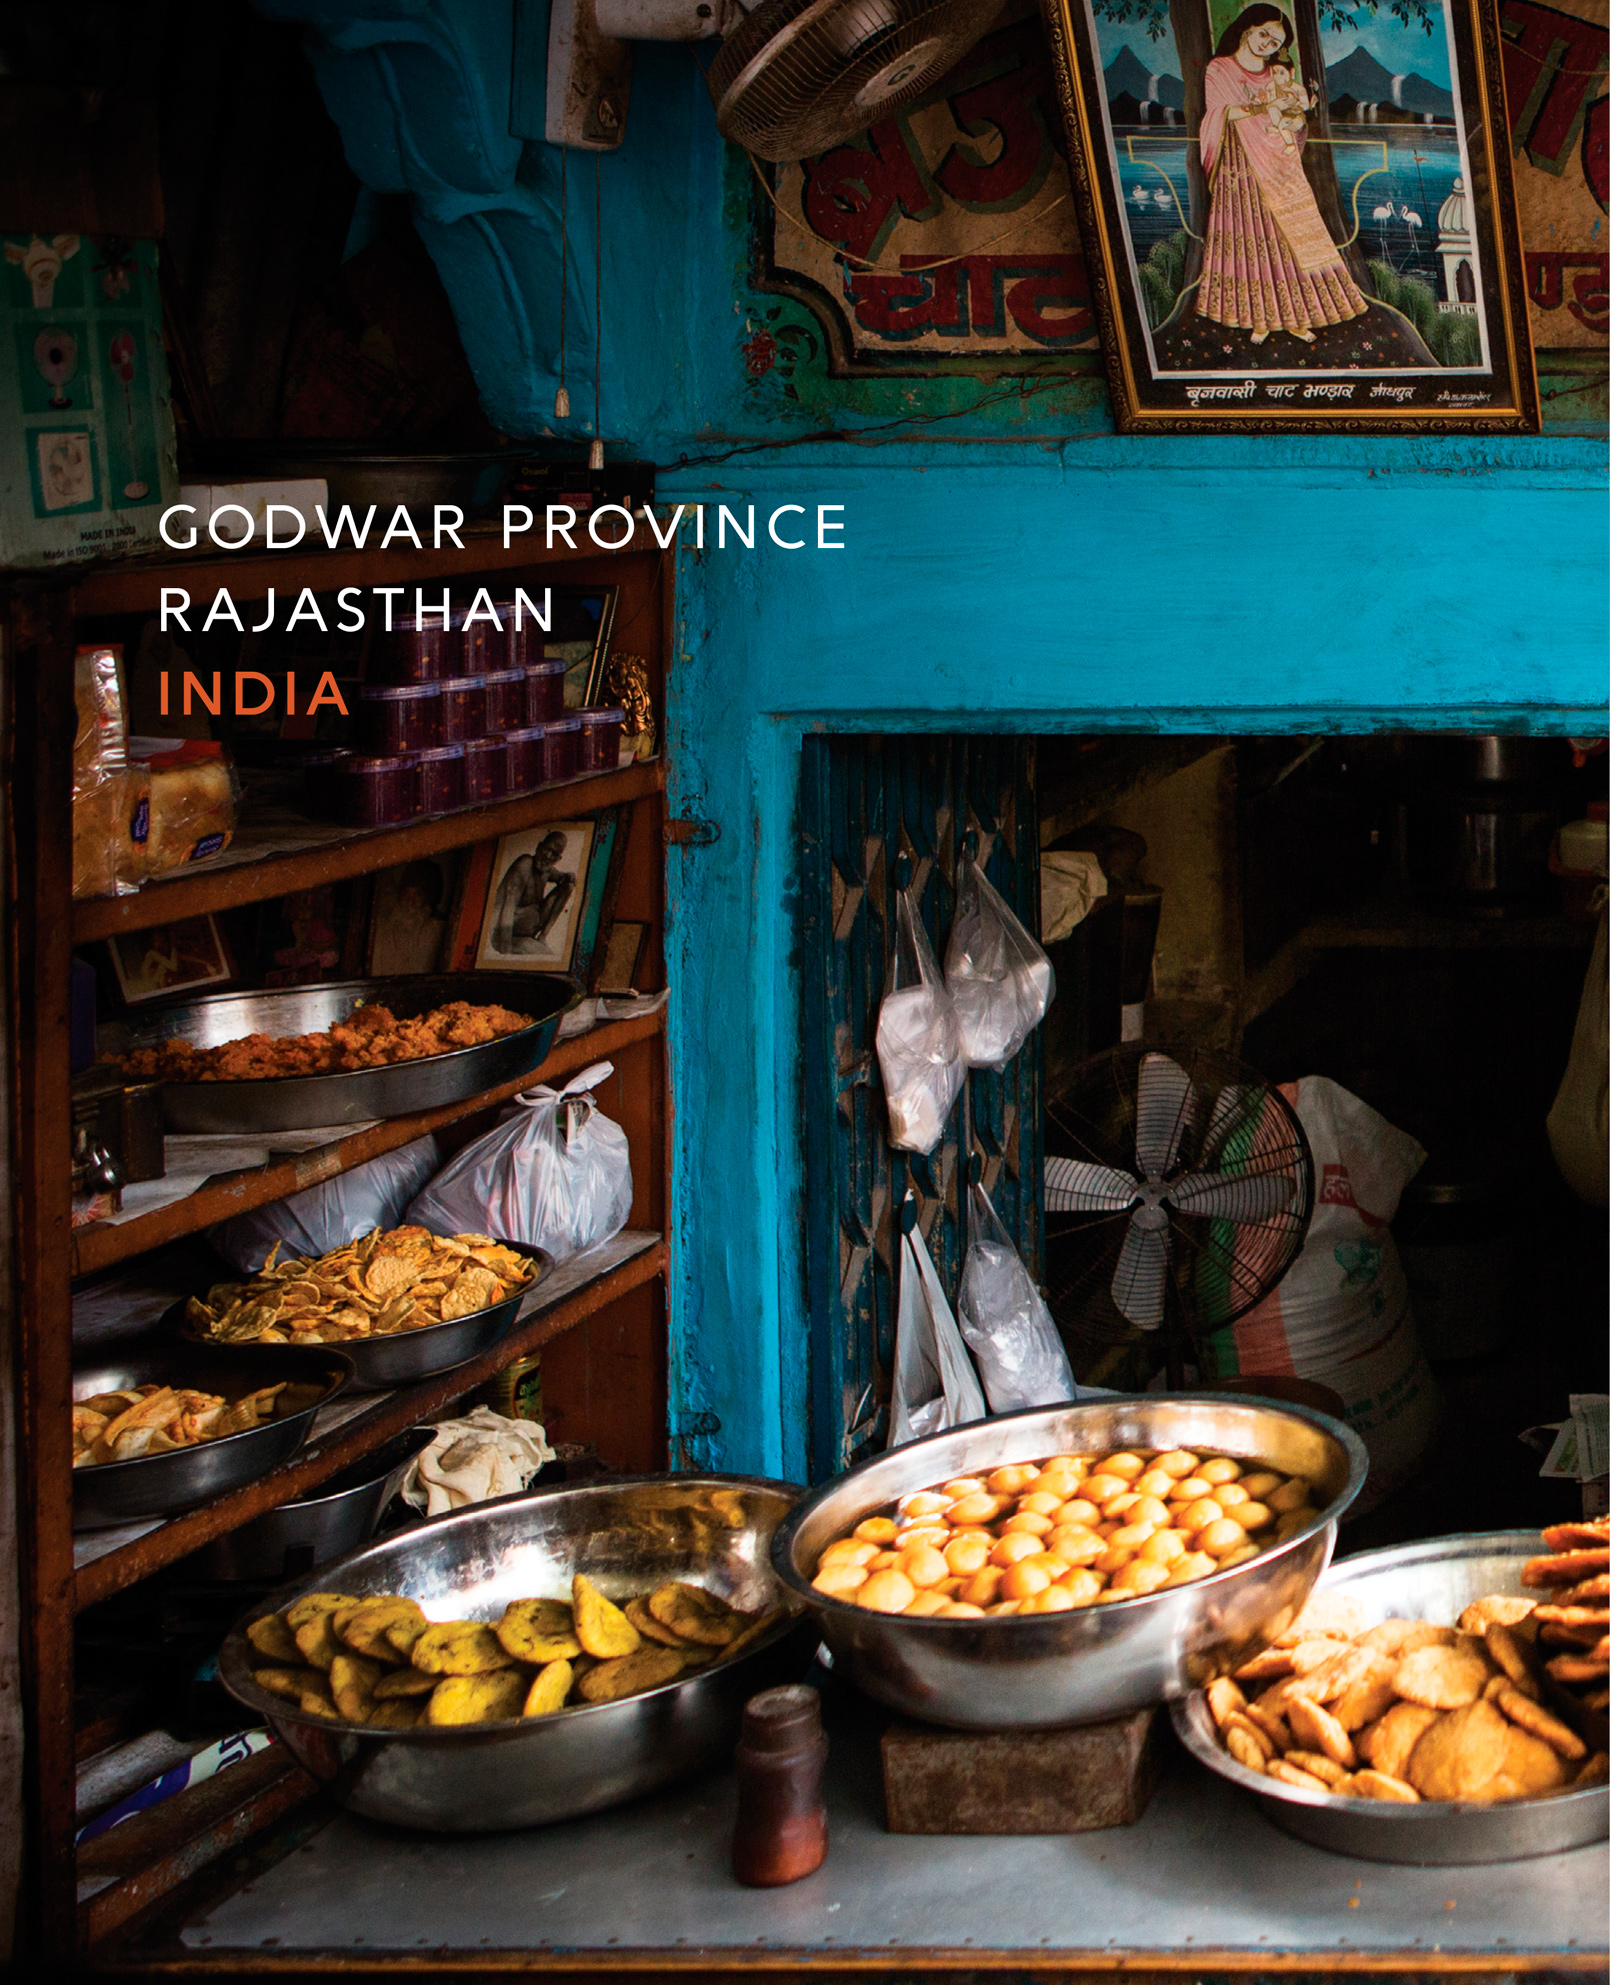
918 1042
935 1385
998 978
314 1222
555 1174
190 793
1005 1321
106 861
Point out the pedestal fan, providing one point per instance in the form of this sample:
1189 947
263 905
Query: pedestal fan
1178 1190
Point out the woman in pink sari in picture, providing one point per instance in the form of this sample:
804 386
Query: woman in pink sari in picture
1268 262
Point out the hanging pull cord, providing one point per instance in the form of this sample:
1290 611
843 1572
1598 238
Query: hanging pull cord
595 454
561 399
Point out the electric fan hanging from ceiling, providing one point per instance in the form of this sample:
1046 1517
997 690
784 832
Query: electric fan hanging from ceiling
1178 1191
794 78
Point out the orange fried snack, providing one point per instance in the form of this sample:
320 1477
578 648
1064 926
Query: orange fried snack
370 1037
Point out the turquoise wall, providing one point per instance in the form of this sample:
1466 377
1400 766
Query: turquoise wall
1009 563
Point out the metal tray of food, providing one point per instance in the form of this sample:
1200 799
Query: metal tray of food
163 1484
307 1102
399 1359
1097 1662
713 1529
1432 1581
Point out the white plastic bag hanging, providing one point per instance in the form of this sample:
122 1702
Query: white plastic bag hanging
919 1047
935 1385
1005 1321
998 978
322 1217
555 1174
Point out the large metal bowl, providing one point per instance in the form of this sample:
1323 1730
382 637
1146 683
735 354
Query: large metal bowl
1100 1661
1434 1581
306 1102
163 1484
629 1536
399 1359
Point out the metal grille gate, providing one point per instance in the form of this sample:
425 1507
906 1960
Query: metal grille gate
865 803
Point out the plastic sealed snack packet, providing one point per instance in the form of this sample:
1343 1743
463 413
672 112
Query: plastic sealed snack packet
918 1042
998 978
935 1385
106 861
1005 1322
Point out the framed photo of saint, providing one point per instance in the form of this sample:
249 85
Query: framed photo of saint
534 902
1298 213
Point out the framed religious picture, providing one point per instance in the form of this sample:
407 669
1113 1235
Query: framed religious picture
531 919
172 958
1298 213
408 920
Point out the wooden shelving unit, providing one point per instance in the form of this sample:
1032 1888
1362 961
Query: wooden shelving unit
600 1318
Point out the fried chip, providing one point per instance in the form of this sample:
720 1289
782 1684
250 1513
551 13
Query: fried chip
480 1697
316 1641
1580 1594
1577 1668
1594 1771
538 1631
601 1627
1586 1533
271 1636
1271 1665
1290 1774
1441 1677
637 1612
1461 1755
648 1668
1246 1747
1566 1567
1388 1743
404 1631
1330 1613
1369 1696
402 1682
695 1614
287 1682
1252 1732
458 1648
550 1690
1533 1717
352 1683
364 1628
1372 1784
300 1611
396 1713
1495 1609
1223 1697
1317 1730
1597 1617
1508 1649
1317 1765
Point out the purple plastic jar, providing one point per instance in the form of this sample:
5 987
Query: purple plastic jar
528 758
381 791
395 717
561 744
505 700
544 692
441 778
482 647
411 652
600 740
486 769
463 709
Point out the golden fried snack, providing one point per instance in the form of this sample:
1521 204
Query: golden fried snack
370 1037
402 1682
601 1627
1289 1774
694 1614
1595 1771
365 1628
396 1713
160 1419
287 1682
550 1690
648 1668
311 1604
1509 1650
1317 1730
481 1697
271 1636
352 1683
1496 1609
1441 1677
1387 1744
1566 1567
316 1641
458 1648
1531 1716
1587 1534
1371 1784
538 1631
637 1612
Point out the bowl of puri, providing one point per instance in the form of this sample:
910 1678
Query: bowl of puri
1073 1563
1427 1705
529 1659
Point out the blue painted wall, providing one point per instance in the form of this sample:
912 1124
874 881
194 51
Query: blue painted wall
1014 565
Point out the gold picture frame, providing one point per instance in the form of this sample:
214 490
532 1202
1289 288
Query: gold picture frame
1270 246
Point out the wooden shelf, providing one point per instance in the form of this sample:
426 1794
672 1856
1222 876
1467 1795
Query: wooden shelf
103 1245
230 881
1408 926
571 1294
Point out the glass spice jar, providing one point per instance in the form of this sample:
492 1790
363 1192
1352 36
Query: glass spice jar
600 741
780 1833
380 791
463 708
486 769
395 717
544 692
505 700
411 650
528 758
441 778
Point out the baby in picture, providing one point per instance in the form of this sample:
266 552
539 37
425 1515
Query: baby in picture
1289 103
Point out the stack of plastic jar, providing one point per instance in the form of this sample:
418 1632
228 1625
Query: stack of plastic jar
600 742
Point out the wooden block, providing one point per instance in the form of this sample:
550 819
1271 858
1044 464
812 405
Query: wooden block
1019 1781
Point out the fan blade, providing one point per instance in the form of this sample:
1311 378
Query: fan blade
1071 1186
1164 1100
1228 1196
1137 1282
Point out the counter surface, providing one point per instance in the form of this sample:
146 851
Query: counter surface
1202 1872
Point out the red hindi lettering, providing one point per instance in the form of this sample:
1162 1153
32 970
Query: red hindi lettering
1551 62
856 194
1011 104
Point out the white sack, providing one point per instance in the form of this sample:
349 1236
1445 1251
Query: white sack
1005 1322
998 978
935 1385
919 1047
345 1208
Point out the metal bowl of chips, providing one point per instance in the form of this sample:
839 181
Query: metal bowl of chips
1435 1582
306 1102
379 1362
115 1492
1097 1662
628 1536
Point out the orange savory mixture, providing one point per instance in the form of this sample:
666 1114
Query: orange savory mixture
370 1037
1076 1530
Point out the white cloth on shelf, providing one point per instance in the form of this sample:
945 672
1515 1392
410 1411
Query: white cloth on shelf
474 1459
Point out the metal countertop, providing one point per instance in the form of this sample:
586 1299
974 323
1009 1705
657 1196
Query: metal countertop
1202 1872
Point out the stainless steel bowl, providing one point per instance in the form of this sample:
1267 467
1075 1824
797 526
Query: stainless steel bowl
381 1362
1433 1581
340 1516
163 1484
306 1102
628 1535
1100 1661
